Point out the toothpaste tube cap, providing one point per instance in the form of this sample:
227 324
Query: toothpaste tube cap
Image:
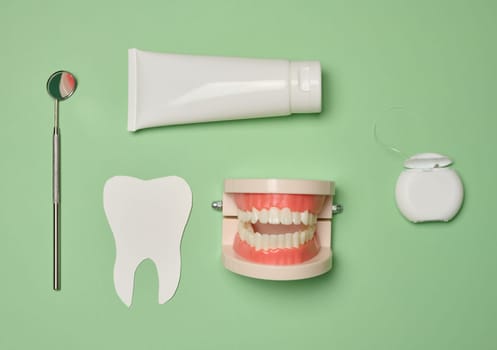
305 86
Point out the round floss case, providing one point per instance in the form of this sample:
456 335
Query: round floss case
429 190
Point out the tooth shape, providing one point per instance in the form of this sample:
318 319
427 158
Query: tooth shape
251 239
258 241
274 216
147 219
302 237
308 235
304 216
263 216
286 216
313 219
273 241
265 242
254 216
295 238
241 216
242 231
296 218
288 240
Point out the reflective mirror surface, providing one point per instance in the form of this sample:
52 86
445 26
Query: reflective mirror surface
61 85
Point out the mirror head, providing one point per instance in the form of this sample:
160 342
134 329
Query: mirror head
61 85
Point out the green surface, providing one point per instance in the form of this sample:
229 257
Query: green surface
394 285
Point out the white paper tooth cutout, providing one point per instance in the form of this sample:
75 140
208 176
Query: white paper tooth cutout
147 219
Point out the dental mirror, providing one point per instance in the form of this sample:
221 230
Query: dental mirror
60 86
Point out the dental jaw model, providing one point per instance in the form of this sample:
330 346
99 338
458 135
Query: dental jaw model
277 229
147 218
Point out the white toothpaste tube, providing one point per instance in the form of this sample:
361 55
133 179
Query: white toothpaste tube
167 89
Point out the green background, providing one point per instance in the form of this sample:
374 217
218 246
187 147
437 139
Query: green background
423 71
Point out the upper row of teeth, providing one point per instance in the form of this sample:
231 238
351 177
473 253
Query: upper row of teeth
277 216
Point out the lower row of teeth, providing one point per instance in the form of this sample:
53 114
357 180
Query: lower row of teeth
265 241
277 216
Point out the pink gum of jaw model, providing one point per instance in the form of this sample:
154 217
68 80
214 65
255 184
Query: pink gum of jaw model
277 229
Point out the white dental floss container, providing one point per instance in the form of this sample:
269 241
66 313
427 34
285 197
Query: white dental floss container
429 190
